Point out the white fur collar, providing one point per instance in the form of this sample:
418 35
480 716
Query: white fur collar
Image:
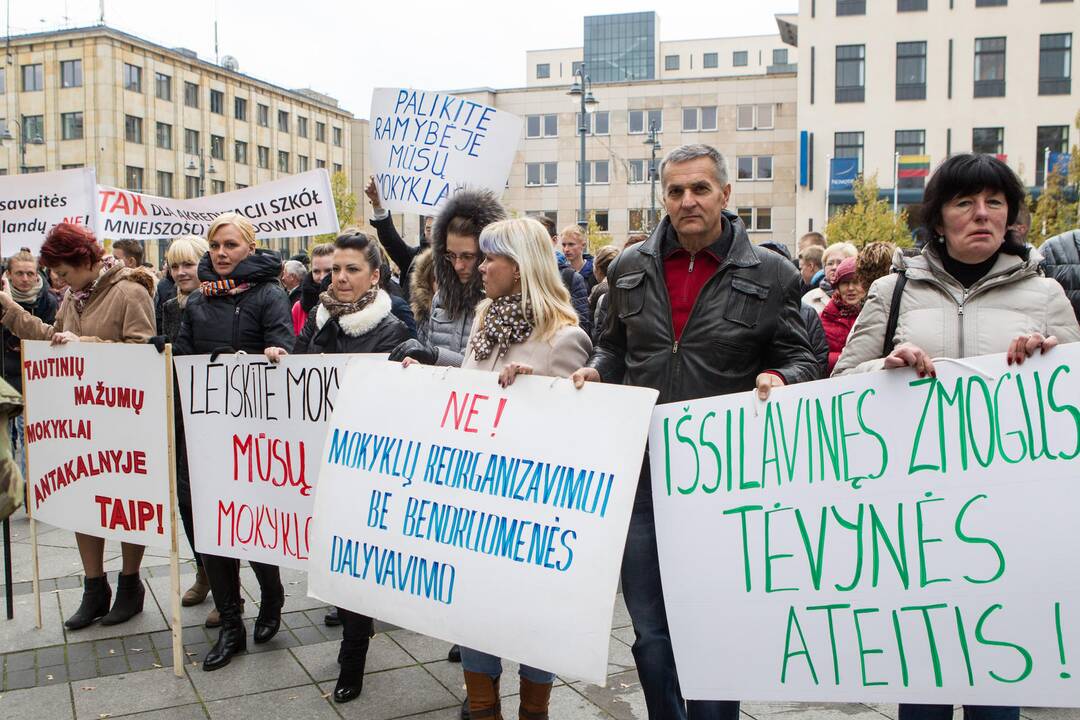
358 323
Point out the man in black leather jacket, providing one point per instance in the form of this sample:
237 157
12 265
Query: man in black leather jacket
694 311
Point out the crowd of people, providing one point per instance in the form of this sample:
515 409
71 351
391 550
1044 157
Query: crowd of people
693 310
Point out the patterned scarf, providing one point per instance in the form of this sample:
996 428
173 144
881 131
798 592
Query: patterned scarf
337 308
503 325
80 298
221 288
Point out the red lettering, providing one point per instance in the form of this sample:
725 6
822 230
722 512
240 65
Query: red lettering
473 412
104 503
459 410
118 517
105 195
139 462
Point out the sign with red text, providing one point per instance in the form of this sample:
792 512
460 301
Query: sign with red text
479 515
32 203
96 439
254 432
877 537
425 145
294 205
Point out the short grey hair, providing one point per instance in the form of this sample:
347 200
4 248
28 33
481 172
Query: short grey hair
686 153
295 268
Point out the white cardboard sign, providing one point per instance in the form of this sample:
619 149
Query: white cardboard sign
31 204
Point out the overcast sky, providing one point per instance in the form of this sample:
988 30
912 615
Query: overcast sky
345 48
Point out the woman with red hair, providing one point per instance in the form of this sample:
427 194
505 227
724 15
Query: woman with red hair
106 302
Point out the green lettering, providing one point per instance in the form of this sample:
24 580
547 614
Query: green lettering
924 541
1072 410
935 658
714 450
897 552
832 634
864 651
817 564
857 527
769 557
981 638
870 431
930 382
793 621
741 512
683 439
964 537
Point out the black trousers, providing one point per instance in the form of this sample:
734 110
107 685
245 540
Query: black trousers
224 576
356 633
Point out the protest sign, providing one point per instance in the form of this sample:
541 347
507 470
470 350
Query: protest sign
97 440
291 206
457 509
877 537
254 432
425 145
30 204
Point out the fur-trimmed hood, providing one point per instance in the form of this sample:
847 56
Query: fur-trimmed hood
357 323
421 288
483 208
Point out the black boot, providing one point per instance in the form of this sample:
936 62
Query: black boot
130 595
454 655
95 603
331 619
224 577
268 622
355 640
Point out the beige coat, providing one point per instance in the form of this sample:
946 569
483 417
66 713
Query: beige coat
938 315
120 309
565 352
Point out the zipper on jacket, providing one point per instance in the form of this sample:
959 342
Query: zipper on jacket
675 348
692 256
960 319
236 327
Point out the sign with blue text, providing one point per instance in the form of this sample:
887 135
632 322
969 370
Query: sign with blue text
426 145
877 537
842 173
480 515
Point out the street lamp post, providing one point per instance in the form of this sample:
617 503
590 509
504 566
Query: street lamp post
203 171
36 140
653 141
582 87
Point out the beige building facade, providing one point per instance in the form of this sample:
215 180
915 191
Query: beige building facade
159 120
929 77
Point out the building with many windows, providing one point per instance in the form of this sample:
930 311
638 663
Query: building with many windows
158 120
928 77
737 94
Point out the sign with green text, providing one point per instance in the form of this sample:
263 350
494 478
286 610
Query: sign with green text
877 537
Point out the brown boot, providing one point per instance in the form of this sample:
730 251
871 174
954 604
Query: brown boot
197 593
213 618
483 693
534 700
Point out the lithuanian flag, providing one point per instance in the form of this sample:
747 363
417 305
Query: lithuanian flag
913 166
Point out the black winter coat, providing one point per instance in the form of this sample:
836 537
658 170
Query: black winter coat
1061 261
44 308
399 251
746 320
372 330
166 291
252 321
815 331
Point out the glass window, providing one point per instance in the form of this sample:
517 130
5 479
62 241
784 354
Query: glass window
911 71
911 142
532 174
191 94
990 3
337 168
3 80
71 126
320 132
191 187
543 71
132 78
745 168
240 108
217 186
33 77
849 144
283 161
765 116
780 56
1052 137
1055 64
71 73
740 58
320 164
990 67
671 62
217 102
690 119
710 60
990 140
264 157
551 173
764 167
217 147
163 86
191 142
337 136
301 126
133 129
744 117
708 118
587 169
638 171
133 176
164 184
850 73
163 135
551 125
601 219
764 218
910 5
301 163
240 152
532 126
622 47
850 7
600 172
601 122
747 216
262 116
282 121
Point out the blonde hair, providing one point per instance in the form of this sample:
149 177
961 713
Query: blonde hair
22 256
527 243
574 229
186 249
320 249
238 221
845 249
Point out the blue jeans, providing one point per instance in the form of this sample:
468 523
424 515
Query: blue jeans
18 444
652 640
945 712
481 662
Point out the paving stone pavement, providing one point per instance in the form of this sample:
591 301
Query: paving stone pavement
126 671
